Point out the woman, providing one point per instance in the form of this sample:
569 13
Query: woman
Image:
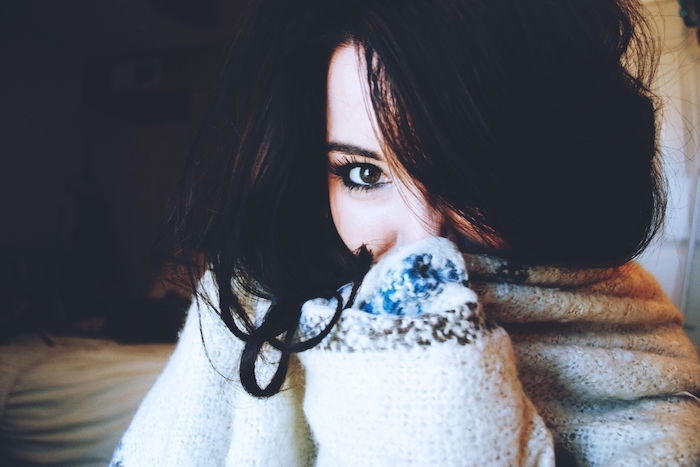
419 220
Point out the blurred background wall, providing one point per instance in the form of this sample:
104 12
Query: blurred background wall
674 257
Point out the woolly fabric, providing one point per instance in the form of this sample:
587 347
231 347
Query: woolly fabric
444 359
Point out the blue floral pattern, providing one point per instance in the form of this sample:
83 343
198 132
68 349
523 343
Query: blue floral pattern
404 290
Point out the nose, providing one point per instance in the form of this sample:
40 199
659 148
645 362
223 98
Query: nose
414 220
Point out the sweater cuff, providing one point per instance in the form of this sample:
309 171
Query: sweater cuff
416 296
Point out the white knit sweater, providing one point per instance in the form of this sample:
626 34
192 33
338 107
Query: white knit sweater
513 365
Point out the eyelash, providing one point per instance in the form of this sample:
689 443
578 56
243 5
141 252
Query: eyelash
342 169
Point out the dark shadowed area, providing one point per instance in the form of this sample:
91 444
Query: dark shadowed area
100 102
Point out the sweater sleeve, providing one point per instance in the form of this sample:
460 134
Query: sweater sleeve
198 414
186 417
416 374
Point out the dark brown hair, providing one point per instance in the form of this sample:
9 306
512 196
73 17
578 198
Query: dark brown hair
532 120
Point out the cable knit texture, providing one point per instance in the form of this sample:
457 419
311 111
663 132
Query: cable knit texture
443 359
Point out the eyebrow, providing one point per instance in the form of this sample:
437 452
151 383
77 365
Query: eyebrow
351 149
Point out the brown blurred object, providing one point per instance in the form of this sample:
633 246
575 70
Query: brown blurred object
690 12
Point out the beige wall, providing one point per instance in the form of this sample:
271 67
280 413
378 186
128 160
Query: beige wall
677 82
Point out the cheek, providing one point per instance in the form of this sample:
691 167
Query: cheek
360 217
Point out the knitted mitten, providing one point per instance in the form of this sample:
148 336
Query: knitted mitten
415 373
415 279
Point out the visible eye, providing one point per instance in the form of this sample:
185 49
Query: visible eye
365 174
359 175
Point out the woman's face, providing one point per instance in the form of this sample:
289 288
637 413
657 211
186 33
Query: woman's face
365 198
369 205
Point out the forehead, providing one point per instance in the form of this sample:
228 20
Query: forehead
350 118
